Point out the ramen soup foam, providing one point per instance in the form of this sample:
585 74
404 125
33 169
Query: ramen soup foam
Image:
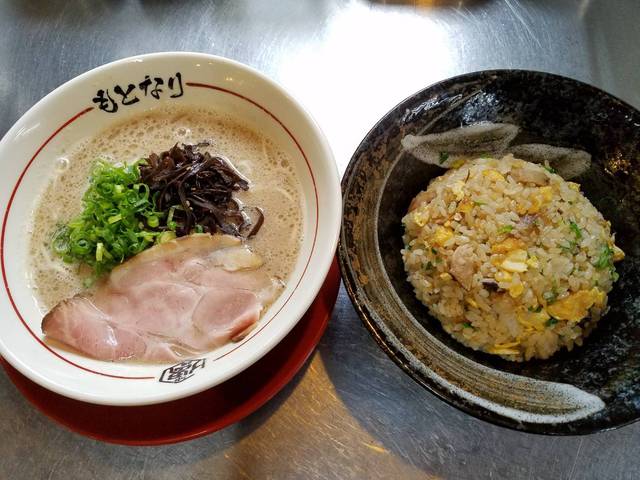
274 187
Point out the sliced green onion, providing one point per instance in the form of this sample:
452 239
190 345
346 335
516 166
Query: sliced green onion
166 236
99 251
114 218
111 227
605 260
577 231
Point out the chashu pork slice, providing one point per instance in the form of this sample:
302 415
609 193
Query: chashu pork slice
176 299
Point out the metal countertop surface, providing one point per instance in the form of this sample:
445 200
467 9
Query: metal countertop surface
350 412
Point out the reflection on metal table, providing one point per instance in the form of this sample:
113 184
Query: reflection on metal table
350 413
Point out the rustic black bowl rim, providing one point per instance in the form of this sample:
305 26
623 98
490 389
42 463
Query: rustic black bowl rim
364 309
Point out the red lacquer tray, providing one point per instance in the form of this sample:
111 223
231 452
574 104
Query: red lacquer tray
199 414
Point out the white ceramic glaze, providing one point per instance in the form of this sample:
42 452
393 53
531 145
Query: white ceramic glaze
44 132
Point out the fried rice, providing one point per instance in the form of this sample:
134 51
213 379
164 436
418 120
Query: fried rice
512 259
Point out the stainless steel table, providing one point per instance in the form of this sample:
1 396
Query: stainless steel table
351 413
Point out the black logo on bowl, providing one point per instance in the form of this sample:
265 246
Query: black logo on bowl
181 371
129 95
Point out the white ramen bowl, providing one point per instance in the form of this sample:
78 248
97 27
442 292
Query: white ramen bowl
68 114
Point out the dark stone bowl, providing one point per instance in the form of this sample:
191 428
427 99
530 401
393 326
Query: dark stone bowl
592 388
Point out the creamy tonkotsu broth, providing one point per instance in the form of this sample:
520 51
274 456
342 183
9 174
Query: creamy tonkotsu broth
274 187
